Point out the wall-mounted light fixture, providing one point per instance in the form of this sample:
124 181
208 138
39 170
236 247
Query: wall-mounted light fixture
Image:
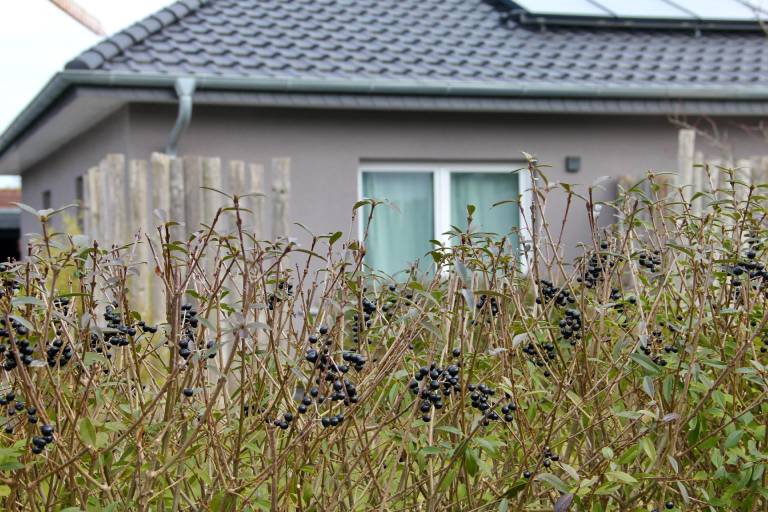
572 163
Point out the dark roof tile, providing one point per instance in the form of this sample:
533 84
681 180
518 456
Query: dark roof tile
422 40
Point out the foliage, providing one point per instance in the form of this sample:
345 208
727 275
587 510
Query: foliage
289 378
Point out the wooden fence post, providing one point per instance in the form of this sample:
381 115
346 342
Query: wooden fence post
715 181
94 224
212 201
140 222
742 177
161 200
255 202
112 190
237 181
193 198
177 211
685 157
281 188
699 183
161 186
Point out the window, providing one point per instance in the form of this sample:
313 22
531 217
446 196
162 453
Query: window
46 199
427 200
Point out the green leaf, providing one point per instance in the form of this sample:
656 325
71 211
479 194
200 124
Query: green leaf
645 362
620 476
360 203
116 426
24 300
733 439
470 462
311 253
450 429
334 237
27 209
464 274
648 386
87 432
648 448
487 445
553 481
515 488
5 491
504 505
431 450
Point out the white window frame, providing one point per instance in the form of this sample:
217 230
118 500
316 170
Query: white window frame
441 192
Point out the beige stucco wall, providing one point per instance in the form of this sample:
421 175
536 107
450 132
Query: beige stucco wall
327 147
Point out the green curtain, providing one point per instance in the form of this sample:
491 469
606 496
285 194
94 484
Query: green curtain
399 237
483 189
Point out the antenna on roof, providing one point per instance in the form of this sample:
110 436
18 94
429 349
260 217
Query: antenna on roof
80 15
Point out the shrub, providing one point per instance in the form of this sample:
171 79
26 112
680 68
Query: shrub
277 377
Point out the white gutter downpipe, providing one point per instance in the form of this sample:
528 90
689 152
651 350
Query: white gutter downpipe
185 88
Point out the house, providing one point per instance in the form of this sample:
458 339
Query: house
426 102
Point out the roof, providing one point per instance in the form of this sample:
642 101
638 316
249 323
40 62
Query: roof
428 41
459 55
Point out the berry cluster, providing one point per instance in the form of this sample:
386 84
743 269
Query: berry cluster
61 302
648 260
570 326
10 285
25 351
747 267
479 400
40 442
285 422
115 323
494 304
330 381
428 382
283 292
549 351
596 266
7 399
147 328
332 421
388 308
548 456
654 345
369 308
549 292
189 322
57 356
508 410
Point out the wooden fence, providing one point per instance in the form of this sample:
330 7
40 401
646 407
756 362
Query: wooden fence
124 196
698 173
124 199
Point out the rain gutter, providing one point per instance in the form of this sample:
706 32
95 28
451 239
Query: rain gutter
70 78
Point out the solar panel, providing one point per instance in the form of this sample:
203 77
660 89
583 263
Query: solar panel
719 9
562 8
699 14
646 9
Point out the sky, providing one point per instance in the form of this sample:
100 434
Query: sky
37 39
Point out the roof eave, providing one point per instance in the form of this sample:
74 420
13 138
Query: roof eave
65 79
